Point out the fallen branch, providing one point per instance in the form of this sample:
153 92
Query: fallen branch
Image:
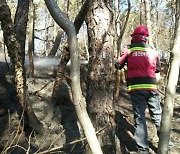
37 91
71 143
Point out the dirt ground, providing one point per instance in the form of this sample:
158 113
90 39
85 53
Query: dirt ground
125 124
12 139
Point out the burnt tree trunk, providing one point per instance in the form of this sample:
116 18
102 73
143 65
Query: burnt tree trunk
100 85
65 57
56 44
31 39
20 24
78 99
16 54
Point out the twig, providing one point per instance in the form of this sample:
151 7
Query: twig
10 145
13 147
73 142
37 91
164 96
9 120
45 139
55 139
7 144
161 92
29 143
6 57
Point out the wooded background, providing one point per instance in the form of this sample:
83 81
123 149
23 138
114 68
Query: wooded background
81 40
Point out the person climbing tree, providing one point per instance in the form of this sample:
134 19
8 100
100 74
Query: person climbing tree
142 63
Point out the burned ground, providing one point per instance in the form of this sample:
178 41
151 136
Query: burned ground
64 127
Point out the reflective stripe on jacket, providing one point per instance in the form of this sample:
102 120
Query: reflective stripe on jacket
142 63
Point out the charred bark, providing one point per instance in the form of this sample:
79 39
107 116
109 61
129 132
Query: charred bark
77 23
31 39
20 24
56 44
101 75
81 15
78 99
65 57
15 53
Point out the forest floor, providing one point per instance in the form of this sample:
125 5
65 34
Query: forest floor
64 127
125 124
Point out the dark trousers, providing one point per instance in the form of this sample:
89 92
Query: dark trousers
140 101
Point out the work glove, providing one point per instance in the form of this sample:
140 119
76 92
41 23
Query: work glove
118 65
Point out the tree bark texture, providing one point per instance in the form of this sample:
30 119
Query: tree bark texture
101 75
65 57
31 39
60 72
20 24
78 99
120 73
15 53
167 115
56 44
148 21
81 15
66 53
14 49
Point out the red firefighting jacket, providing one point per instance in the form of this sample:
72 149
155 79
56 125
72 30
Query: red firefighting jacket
142 65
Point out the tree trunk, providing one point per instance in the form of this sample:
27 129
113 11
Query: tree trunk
148 21
78 99
65 56
170 94
100 85
141 12
15 53
31 39
20 24
119 44
56 44
47 34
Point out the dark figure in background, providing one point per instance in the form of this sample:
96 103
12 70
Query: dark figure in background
142 65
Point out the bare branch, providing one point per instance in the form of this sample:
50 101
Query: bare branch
81 16
73 142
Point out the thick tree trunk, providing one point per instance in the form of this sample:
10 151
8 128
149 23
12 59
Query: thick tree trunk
20 24
100 86
78 100
65 57
170 94
15 53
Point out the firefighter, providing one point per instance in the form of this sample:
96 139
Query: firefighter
142 65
